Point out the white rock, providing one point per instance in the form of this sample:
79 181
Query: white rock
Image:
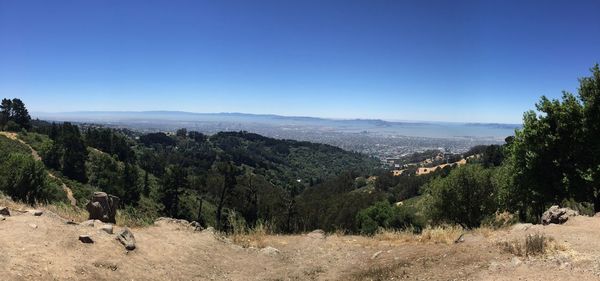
374 256
521 226
269 251
317 233
108 228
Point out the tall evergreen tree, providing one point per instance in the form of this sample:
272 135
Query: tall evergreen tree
74 152
20 114
5 112
173 183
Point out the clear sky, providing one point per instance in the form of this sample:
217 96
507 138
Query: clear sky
485 61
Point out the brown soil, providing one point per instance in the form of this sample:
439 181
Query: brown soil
46 248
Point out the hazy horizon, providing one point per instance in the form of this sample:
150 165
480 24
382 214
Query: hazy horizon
41 114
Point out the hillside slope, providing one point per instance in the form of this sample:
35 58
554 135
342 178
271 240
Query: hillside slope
46 248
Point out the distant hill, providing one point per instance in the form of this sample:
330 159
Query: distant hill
243 121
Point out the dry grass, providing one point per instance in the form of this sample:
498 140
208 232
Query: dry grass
484 231
533 245
252 237
68 212
65 211
435 235
7 202
248 237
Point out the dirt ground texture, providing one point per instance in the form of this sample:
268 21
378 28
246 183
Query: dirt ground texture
47 248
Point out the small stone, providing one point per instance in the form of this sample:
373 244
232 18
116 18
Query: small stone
108 228
2 218
516 261
4 211
374 256
88 223
37 213
270 251
522 226
34 226
71 223
86 239
127 239
317 234
196 225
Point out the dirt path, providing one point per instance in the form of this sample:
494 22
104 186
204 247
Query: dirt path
36 156
46 248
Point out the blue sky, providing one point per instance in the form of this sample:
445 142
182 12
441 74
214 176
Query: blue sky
483 61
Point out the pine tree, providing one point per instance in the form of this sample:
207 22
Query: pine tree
20 114
5 112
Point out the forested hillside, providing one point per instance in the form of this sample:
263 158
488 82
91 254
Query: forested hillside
229 176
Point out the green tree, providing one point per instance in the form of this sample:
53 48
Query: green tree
74 152
555 156
589 93
20 114
173 183
23 178
222 180
5 112
466 196
131 184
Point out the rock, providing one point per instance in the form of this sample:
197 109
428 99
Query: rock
37 213
210 229
86 239
521 226
196 225
460 239
108 228
71 223
34 226
374 256
179 223
516 261
597 214
127 239
557 215
103 207
2 218
494 266
270 251
88 223
4 211
317 233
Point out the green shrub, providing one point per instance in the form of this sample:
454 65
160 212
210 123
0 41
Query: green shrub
384 215
465 197
24 179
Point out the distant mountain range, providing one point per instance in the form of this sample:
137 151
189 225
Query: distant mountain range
235 121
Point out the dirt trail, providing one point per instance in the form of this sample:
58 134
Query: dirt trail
46 248
36 156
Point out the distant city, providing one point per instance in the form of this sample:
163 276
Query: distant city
378 138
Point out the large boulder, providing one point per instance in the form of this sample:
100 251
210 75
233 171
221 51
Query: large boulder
557 215
103 207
